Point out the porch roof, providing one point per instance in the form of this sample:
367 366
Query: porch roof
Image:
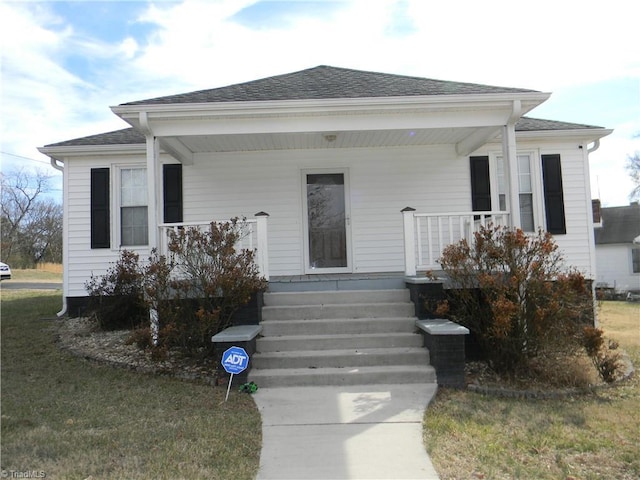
131 136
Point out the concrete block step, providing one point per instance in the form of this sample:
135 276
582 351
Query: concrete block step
367 357
336 297
352 310
340 342
338 326
395 374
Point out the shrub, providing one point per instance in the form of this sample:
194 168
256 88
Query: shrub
603 355
513 292
213 271
116 299
194 293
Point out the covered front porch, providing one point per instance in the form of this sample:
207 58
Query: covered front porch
425 237
343 185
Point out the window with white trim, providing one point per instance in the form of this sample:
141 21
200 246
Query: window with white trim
526 184
134 224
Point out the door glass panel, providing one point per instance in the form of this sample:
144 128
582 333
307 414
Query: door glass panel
326 213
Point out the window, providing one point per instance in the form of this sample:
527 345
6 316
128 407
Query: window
635 260
525 189
134 224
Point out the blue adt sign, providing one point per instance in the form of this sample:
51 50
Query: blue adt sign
235 360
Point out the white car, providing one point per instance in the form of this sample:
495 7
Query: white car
5 271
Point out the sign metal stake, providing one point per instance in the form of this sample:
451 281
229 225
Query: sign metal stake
229 387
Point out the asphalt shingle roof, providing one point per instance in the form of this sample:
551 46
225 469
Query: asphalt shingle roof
324 82
126 136
528 124
619 225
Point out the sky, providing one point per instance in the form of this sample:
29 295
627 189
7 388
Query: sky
63 64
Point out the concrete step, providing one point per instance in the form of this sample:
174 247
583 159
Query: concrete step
288 343
337 326
327 311
337 297
394 374
367 357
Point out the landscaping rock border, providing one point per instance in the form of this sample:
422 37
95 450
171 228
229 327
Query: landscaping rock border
82 338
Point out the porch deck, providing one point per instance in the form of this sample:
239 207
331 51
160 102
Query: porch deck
340 281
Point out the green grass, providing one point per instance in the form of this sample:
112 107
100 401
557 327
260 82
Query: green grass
594 436
72 419
32 275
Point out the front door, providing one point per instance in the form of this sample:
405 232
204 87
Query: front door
327 235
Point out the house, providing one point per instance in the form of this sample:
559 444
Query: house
618 249
348 180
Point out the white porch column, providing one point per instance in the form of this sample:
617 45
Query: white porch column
511 173
409 241
152 189
263 244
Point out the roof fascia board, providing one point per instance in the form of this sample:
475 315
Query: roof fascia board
329 106
578 133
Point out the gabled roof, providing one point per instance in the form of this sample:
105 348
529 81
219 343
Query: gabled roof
619 225
131 136
324 82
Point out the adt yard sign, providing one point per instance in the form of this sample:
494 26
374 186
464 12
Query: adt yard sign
235 360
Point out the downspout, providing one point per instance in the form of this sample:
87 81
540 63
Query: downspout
592 245
54 164
60 167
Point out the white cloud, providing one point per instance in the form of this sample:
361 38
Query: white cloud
545 45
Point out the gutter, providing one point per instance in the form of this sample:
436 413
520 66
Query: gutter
596 146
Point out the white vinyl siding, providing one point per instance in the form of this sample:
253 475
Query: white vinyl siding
615 266
382 181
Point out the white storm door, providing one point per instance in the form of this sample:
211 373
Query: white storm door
327 234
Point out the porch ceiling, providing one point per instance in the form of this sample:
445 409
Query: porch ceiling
317 140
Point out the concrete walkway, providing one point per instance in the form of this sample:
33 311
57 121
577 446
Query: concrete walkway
363 432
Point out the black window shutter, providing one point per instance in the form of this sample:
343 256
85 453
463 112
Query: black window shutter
480 185
553 195
100 216
172 192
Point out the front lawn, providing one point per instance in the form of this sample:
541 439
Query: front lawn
592 436
68 418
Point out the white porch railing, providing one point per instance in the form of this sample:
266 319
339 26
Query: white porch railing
426 235
254 238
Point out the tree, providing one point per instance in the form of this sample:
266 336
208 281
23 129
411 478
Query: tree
30 226
633 167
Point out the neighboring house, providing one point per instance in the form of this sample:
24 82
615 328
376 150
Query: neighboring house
333 156
618 249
